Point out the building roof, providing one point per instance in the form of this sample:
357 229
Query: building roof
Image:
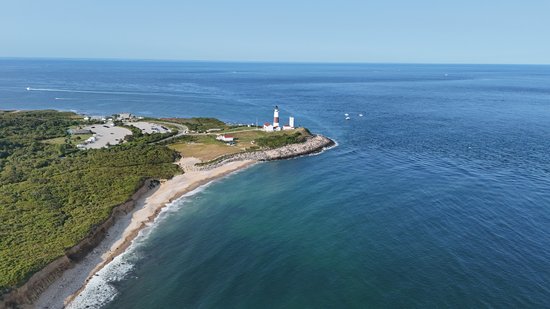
79 131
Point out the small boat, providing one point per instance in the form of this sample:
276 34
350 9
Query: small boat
360 115
347 118
346 114
28 88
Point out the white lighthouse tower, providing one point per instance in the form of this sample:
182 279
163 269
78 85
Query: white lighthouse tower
291 122
276 117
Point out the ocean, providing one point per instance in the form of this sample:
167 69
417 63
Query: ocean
439 196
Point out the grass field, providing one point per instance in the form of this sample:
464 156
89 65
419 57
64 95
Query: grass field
206 147
245 138
204 152
72 139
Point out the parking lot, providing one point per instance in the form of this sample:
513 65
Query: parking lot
105 134
149 127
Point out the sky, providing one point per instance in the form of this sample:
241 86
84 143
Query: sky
395 31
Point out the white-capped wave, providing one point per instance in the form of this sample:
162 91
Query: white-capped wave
100 290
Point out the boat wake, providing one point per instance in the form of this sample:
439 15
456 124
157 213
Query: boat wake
90 91
177 91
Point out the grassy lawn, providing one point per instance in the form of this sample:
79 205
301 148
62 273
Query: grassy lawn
55 141
245 138
237 129
72 139
206 147
198 124
204 152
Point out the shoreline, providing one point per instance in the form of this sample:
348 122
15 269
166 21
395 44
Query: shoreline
75 276
58 295
169 192
65 284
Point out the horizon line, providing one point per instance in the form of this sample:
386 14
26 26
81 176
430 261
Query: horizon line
114 59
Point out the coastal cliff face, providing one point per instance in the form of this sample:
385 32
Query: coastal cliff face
26 294
313 144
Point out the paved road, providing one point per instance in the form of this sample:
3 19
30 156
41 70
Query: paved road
148 127
226 132
182 130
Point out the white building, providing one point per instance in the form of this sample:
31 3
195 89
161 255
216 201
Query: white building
268 127
125 116
225 138
290 125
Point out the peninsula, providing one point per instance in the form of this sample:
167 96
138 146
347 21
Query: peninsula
67 179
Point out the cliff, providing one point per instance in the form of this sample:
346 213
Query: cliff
28 292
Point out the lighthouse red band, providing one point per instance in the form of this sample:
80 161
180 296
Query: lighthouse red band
276 126
276 117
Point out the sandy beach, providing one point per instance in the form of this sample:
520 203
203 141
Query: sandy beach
66 289
70 289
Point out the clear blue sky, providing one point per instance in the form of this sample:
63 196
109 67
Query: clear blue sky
425 31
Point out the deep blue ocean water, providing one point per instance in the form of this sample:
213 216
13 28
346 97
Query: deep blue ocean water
438 197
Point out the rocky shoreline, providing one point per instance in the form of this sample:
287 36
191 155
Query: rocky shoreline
313 144
25 295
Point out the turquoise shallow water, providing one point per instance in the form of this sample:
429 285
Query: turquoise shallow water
437 197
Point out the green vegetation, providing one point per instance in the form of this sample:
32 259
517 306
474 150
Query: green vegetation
279 140
71 139
52 195
184 139
199 124
209 150
203 147
235 129
140 138
169 125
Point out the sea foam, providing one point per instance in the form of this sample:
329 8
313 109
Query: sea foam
100 288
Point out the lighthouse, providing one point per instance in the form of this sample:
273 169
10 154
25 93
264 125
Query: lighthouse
276 117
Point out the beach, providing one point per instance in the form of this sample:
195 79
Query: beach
66 288
66 284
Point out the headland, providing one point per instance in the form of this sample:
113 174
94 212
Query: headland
203 149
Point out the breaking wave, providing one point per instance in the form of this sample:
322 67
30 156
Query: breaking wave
101 289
